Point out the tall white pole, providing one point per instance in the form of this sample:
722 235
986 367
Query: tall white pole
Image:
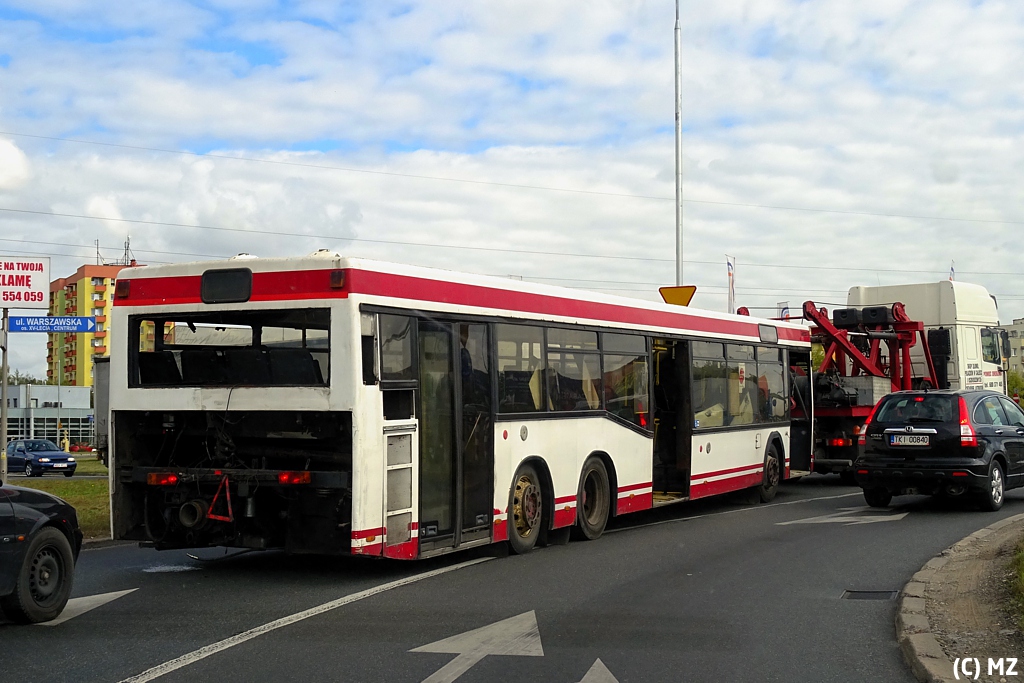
679 152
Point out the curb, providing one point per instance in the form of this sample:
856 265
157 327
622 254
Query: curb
920 647
106 542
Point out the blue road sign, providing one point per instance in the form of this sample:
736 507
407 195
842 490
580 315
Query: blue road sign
51 324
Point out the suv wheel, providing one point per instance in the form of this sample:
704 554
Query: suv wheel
992 498
877 498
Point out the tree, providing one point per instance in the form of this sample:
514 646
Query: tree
1014 382
19 377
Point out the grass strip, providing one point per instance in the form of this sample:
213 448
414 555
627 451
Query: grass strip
1018 583
88 496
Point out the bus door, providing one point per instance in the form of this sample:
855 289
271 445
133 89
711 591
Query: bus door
801 429
456 453
673 426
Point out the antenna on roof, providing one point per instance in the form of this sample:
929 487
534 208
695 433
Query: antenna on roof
99 259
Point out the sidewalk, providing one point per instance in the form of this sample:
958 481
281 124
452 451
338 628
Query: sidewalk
957 607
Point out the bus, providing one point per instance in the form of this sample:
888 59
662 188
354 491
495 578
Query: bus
336 405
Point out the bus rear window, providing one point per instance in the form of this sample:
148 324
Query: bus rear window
231 349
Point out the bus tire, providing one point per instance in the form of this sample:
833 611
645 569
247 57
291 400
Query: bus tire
526 509
593 500
772 476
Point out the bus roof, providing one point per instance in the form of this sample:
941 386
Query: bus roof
404 286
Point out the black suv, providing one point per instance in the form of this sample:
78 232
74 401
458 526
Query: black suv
949 443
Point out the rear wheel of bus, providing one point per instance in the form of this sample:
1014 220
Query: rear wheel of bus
526 509
772 476
593 501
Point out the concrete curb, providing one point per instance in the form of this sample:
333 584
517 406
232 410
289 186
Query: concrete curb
921 649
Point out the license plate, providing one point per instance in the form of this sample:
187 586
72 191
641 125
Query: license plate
908 440
60 464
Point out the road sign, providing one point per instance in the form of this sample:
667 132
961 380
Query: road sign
42 323
679 296
24 282
515 636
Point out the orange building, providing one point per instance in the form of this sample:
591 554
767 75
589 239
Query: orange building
89 292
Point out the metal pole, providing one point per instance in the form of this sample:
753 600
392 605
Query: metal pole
679 152
3 399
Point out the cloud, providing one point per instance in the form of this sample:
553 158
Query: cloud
909 112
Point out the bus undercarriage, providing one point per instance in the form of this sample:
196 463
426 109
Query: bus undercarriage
247 479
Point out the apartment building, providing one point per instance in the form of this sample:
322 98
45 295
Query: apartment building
1016 334
89 292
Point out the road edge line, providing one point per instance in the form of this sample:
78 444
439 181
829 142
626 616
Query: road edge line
921 649
213 648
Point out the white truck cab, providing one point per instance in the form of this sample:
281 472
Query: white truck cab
962 324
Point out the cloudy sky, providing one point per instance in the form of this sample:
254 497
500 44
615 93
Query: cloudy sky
827 143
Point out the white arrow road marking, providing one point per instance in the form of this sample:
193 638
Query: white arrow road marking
599 673
214 648
78 606
517 636
849 517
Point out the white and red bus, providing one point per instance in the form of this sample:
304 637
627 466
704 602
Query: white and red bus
336 405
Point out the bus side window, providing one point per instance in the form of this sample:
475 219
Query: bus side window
396 348
368 343
520 368
709 385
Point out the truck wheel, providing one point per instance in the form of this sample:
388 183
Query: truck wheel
772 476
992 498
526 510
593 500
877 498
44 580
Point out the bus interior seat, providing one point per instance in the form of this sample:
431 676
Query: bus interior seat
247 366
158 367
711 417
203 366
294 367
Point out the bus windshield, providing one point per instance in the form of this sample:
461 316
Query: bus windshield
231 348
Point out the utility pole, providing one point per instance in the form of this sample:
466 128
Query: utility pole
679 152
4 337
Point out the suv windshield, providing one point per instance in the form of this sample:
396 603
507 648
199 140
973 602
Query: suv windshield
916 408
35 446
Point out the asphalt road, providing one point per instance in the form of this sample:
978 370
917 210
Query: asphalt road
715 591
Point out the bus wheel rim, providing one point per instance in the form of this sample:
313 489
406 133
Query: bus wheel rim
526 506
773 472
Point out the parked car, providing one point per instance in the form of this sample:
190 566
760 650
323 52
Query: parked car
948 443
39 544
35 457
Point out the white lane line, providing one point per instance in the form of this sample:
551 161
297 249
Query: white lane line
729 512
214 648
79 606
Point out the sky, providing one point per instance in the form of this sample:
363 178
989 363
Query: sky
827 144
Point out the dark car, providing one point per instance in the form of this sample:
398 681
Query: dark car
950 443
36 457
39 544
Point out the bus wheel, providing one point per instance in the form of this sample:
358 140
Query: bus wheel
772 476
526 506
593 502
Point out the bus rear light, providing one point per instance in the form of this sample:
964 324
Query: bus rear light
839 443
967 435
161 478
286 478
337 279
122 288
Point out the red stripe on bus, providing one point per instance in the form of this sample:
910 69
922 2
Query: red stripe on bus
366 533
565 499
564 517
374 549
500 531
315 284
634 487
403 551
634 503
713 488
734 470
